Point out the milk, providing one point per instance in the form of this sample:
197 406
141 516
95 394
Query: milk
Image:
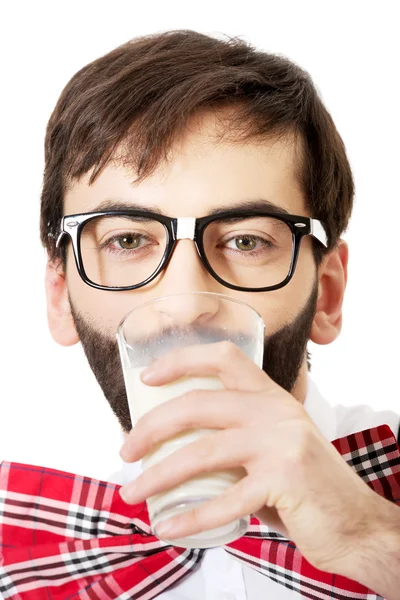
142 398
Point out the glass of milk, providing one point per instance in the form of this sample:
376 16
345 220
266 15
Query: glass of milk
149 332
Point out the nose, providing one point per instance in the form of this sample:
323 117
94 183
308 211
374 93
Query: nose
184 275
189 310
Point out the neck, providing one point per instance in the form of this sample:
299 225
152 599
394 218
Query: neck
300 389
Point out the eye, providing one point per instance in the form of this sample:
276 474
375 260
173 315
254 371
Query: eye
129 241
245 242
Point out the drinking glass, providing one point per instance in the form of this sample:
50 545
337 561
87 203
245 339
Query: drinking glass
149 332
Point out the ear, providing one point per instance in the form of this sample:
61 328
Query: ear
332 275
59 318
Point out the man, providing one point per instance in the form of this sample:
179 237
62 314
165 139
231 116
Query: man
185 125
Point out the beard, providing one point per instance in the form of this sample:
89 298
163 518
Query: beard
284 353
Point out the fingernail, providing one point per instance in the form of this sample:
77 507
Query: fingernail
124 495
165 528
156 368
147 374
127 494
126 453
122 451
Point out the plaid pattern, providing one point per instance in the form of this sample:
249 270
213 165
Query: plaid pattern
64 536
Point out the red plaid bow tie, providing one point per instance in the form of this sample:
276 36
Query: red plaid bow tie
61 534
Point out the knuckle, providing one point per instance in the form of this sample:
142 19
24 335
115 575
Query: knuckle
192 396
298 449
143 421
139 428
205 451
196 518
228 350
186 413
152 438
147 430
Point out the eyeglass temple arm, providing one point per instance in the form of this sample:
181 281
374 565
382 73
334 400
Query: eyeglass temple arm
318 231
186 227
59 238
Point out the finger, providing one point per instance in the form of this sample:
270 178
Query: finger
222 359
222 450
220 409
241 499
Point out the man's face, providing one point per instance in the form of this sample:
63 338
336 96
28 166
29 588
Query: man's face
200 176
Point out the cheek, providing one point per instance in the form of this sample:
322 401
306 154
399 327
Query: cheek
277 308
282 306
105 309
306 270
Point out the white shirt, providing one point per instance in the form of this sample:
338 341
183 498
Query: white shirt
221 576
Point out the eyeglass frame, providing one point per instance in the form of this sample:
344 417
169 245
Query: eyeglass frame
192 228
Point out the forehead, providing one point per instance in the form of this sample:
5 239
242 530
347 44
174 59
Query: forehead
202 172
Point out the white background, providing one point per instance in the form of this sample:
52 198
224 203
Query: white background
52 411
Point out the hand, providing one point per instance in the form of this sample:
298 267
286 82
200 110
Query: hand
295 481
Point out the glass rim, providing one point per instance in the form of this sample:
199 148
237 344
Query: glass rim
160 299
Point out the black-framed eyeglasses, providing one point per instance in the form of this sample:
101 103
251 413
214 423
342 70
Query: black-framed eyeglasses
252 251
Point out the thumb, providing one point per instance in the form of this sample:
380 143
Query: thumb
271 518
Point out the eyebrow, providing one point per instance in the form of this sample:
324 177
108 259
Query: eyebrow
242 206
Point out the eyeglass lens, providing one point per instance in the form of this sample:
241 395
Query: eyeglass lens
251 252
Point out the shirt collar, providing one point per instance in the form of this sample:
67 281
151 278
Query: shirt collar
320 411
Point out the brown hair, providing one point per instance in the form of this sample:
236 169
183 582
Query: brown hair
141 95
